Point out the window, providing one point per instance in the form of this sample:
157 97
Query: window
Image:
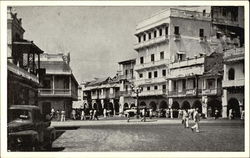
163 72
141 60
148 88
155 33
126 72
160 32
183 84
180 57
149 35
161 55
46 84
174 85
231 74
155 74
132 72
194 86
204 12
176 30
155 87
149 75
144 37
139 39
201 33
210 83
166 30
152 57
126 88
141 75
164 86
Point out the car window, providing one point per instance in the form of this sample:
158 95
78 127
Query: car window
19 115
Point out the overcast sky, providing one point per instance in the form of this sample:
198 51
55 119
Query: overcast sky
97 37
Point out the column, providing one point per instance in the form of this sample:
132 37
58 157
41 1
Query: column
170 85
121 102
113 103
53 84
224 104
170 102
204 105
70 83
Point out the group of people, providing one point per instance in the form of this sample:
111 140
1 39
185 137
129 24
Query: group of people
195 116
58 115
83 113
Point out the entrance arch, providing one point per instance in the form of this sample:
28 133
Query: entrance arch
212 105
125 106
132 105
233 104
117 107
142 104
197 104
110 107
95 106
175 108
163 105
185 105
152 105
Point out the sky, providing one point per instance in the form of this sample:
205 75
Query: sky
96 37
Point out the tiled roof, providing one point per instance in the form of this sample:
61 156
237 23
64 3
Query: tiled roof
56 67
98 81
214 65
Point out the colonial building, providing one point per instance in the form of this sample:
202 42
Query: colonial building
59 86
23 71
233 82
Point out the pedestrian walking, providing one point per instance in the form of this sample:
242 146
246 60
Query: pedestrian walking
74 114
58 115
91 114
230 114
95 115
150 113
167 113
242 116
52 112
128 116
143 115
216 114
62 116
179 113
83 117
186 118
171 113
196 120
105 112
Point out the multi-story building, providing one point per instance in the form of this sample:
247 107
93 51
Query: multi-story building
23 72
127 77
178 63
162 39
59 86
102 93
233 82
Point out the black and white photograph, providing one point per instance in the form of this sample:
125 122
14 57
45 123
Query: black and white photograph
124 78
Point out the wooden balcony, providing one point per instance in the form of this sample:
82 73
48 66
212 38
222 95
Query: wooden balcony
183 93
212 91
67 93
154 92
233 83
162 62
151 42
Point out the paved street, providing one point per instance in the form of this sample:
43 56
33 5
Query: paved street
154 135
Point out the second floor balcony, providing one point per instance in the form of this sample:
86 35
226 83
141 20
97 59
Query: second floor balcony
183 93
153 92
233 83
211 91
149 81
67 93
150 42
162 62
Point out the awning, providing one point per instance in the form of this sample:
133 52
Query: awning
26 46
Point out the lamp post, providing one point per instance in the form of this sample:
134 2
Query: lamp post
136 90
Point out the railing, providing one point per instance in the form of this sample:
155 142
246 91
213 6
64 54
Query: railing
151 64
128 77
126 93
186 63
189 14
57 92
150 80
212 91
183 93
114 95
21 72
225 21
153 92
152 41
233 83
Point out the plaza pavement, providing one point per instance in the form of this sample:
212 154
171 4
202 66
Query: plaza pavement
123 121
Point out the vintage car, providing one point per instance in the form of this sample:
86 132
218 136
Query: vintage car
28 129
130 112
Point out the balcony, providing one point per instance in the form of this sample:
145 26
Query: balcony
126 93
150 81
189 14
127 77
233 83
183 93
151 42
225 21
212 91
114 95
42 92
103 96
187 63
153 92
23 73
151 64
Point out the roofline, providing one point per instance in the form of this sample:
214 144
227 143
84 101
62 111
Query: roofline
129 60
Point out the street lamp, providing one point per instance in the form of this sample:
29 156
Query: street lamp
136 90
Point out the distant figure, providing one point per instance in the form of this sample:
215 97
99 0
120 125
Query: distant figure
171 113
216 114
230 115
52 112
167 113
196 120
62 116
83 114
105 112
150 113
186 118
74 114
91 114
242 116
179 113
58 115
95 115
143 115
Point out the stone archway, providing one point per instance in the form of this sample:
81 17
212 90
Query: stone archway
117 106
175 107
125 106
142 104
163 105
197 104
233 104
185 105
152 105
213 105
110 108
132 105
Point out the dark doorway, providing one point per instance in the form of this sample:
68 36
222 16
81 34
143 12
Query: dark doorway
234 105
